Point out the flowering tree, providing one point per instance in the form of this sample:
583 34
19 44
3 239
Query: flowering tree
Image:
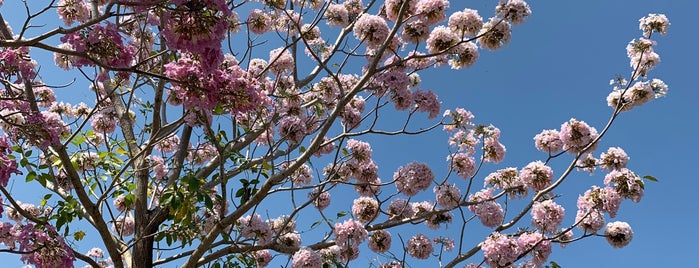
218 132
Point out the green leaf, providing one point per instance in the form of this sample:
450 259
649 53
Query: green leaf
315 224
341 214
30 176
650 178
79 235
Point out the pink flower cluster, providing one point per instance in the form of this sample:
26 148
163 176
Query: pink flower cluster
625 183
420 247
43 246
614 159
576 135
16 62
489 212
640 93
349 233
447 195
413 178
73 10
199 30
380 241
372 30
98 42
618 234
201 90
306 258
8 165
654 23
536 175
548 141
253 227
547 216
365 209
321 200
507 180
433 221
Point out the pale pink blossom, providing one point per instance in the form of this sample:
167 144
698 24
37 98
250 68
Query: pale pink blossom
420 247
536 175
380 241
539 245
489 212
576 135
509 180
413 178
432 11
306 258
618 234
365 209
548 141
400 209
626 183
448 196
371 29
441 39
253 227
466 22
495 33
547 216
654 23
73 10
337 15
514 11
614 159
348 233
262 257
320 200
500 250
463 164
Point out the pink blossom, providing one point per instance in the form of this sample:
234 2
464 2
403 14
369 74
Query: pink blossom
576 135
500 250
548 141
337 15
605 199
441 39
415 31
259 21
466 22
8 165
262 258
448 196
626 183
490 213
120 203
306 258
71 10
380 241
348 233
420 247
614 159
432 11
124 226
400 209
654 23
514 11
508 180
95 253
365 209
495 33
539 245
589 219
426 101
536 175
394 6
464 54
493 150
320 200
587 163
371 29
618 234
169 144
102 43
413 178
281 61
446 242
463 164
465 141
547 216
253 227
641 55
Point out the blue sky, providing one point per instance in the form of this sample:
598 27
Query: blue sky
557 66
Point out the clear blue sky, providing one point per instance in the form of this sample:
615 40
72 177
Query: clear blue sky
557 66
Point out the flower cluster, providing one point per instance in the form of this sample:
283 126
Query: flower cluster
536 175
509 180
618 234
365 209
420 247
413 178
253 227
489 212
547 216
99 42
577 135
